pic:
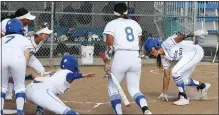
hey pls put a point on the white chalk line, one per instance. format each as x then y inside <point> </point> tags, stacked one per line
<point>97,104</point>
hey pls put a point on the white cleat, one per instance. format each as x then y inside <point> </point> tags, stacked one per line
<point>205,90</point>
<point>181,101</point>
<point>8,96</point>
<point>147,112</point>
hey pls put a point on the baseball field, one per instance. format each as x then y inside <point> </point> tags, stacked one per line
<point>90,96</point>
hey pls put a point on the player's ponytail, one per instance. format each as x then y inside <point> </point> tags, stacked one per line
<point>159,63</point>
<point>12,16</point>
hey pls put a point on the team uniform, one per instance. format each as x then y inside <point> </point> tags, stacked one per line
<point>126,61</point>
<point>10,84</point>
<point>34,63</point>
<point>13,60</point>
<point>49,87</point>
<point>188,56</point>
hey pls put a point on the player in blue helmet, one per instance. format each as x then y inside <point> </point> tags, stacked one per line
<point>188,56</point>
<point>42,90</point>
<point>14,26</point>
<point>69,62</point>
<point>14,58</point>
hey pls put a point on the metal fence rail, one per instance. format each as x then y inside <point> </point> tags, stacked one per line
<point>78,24</point>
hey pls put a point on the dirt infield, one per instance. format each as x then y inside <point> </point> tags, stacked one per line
<point>89,96</point>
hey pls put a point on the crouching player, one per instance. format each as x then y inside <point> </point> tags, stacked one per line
<point>42,91</point>
<point>188,56</point>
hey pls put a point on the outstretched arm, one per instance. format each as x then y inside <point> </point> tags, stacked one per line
<point>72,76</point>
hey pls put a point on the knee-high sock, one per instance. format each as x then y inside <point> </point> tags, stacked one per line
<point>20,100</point>
<point>2,102</point>
<point>191,82</point>
<point>141,101</point>
<point>116,103</point>
<point>70,112</point>
<point>180,85</point>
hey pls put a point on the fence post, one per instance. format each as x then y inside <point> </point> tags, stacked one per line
<point>194,17</point>
<point>52,35</point>
<point>164,20</point>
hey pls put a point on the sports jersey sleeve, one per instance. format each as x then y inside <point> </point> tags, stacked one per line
<point>109,29</point>
<point>73,76</point>
<point>165,62</point>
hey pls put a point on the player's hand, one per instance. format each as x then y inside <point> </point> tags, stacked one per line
<point>88,75</point>
<point>107,67</point>
<point>163,97</point>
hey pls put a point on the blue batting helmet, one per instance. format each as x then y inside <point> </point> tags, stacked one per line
<point>14,25</point>
<point>69,62</point>
<point>152,42</point>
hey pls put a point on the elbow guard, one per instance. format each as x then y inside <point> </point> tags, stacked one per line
<point>73,76</point>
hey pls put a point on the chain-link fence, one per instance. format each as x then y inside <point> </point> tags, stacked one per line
<point>78,24</point>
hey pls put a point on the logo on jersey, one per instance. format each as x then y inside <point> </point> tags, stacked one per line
<point>176,53</point>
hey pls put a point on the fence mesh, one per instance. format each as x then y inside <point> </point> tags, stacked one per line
<point>78,24</point>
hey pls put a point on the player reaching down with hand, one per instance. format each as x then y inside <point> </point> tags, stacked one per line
<point>188,56</point>
<point>42,91</point>
<point>123,36</point>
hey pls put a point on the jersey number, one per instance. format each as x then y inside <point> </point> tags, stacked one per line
<point>129,34</point>
<point>10,38</point>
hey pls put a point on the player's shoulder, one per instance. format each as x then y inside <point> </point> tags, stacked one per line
<point>64,71</point>
<point>112,22</point>
<point>5,21</point>
<point>19,36</point>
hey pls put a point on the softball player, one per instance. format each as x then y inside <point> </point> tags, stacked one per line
<point>123,37</point>
<point>25,17</point>
<point>43,90</point>
<point>188,56</point>
<point>15,54</point>
<point>42,33</point>
<point>21,14</point>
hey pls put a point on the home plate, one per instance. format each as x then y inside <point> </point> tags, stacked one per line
<point>9,111</point>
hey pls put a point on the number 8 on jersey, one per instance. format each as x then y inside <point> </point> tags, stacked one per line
<point>129,34</point>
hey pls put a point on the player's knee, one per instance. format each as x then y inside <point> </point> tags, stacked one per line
<point>111,88</point>
<point>133,92</point>
<point>3,95</point>
<point>175,72</point>
<point>20,94</point>
<point>138,96</point>
<point>19,90</point>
